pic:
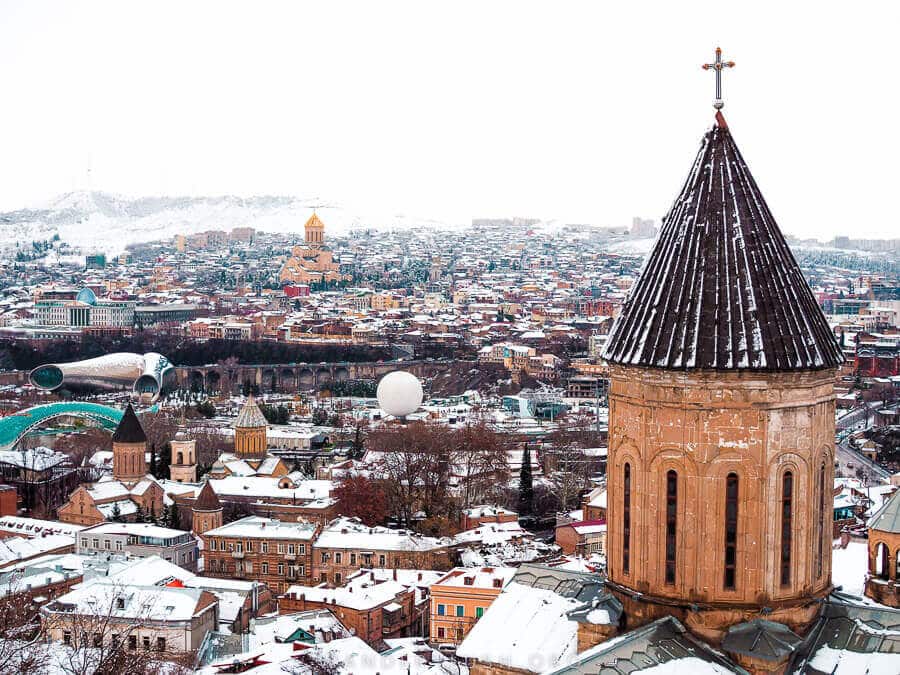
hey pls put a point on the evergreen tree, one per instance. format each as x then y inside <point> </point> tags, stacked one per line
<point>116,513</point>
<point>526,485</point>
<point>154,470</point>
<point>171,516</point>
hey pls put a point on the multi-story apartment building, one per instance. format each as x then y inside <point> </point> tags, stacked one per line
<point>277,553</point>
<point>461,597</point>
<point>346,546</point>
<point>140,539</point>
<point>143,618</point>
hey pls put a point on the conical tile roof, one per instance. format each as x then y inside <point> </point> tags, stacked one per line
<point>207,500</point>
<point>721,288</point>
<point>250,416</point>
<point>129,429</point>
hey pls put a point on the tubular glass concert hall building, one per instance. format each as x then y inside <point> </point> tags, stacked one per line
<point>147,375</point>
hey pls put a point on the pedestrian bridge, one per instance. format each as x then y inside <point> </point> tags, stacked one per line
<point>15,427</point>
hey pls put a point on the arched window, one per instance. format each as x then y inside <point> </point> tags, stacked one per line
<point>787,498</point>
<point>882,556</point>
<point>626,519</point>
<point>820,522</point>
<point>180,458</point>
<point>731,525</point>
<point>671,524</point>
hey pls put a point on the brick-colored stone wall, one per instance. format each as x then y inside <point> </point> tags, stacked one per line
<point>705,425</point>
<point>264,559</point>
<point>883,582</point>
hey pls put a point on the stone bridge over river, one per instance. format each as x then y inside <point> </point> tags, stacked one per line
<point>292,377</point>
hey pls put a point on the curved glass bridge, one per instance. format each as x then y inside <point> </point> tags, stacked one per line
<point>16,426</point>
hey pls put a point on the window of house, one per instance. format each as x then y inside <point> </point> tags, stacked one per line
<point>118,545</point>
<point>249,547</point>
<point>338,557</point>
<point>352,558</point>
<point>160,644</point>
<point>280,548</point>
<point>671,524</point>
<point>248,567</point>
<point>120,603</point>
<point>290,549</point>
<point>479,612</point>
<point>787,503</point>
<point>264,547</point>
<point>264,567</point>
<point>98,640</point>
<point>212,544</point>
<point>301,549</point>
<point>132,642</point>
<point>626,520</point>
<point>381,562</point>
<point>107,544</point>
<point>96,543</point>
<point>281,569</point>
<point>240,547</point>
<point>84,542</point>
<point>301,570</point>
<point>115,641</point>
<point>460,610</point>
<point>146,642</point>
<point>440,631</point>
<point>324,557</point>
<point>459,634</point>
<point>231,546</point>
<point>67,637</point>
<point>441,609</point>
<point>731,525</point>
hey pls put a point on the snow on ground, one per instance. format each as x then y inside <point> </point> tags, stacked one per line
<point>849,566</point>
<point>633,246</point>
<point>100,221</point>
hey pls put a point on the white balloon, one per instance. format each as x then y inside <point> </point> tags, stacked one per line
<point>399,393</point>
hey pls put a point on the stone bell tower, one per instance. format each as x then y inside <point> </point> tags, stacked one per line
<point>184,458</point>
<point>721,447</point>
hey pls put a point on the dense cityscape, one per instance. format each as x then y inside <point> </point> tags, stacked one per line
<point>265,433</point>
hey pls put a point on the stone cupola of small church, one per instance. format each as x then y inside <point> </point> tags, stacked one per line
<point>250,429</point>
<point>129,445</point>
<point>721,399</point>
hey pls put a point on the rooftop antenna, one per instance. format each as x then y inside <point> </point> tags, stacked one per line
<point>718,66</point>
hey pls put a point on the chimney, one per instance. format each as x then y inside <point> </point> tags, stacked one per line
<point>419,576</point>
<point>395,574</point>
<point>350,589</point>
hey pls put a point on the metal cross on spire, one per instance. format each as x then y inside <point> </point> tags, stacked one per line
<point>718,65</point>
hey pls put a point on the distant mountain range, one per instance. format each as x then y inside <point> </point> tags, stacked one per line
<point>104,222</point>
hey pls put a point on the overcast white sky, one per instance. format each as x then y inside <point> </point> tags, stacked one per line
<point>584,112</point>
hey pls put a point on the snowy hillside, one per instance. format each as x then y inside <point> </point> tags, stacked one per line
<point>99,221</point>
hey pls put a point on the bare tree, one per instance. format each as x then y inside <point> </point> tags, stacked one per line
<point>482,458</point>
<point>104,640</point>
<point>21,649</point>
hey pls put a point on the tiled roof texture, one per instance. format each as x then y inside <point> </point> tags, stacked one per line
<point>129,429</point>
<point>721,288</point>
<point>250,416</point>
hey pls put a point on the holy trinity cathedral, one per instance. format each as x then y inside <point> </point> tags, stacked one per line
<point>313,260</point>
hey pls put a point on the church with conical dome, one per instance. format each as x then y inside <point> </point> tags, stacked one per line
<point>722,371</point>
<point>720,475</point>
